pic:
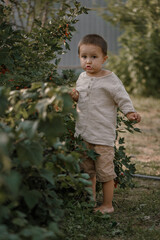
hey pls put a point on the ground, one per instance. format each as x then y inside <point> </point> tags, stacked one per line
<point>137,212</point>
<point>136,216</point>
<point>145,147</point>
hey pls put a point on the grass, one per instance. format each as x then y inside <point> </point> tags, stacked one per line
<point>136,216</point>
<point>137,210</point>
<point>145,146</point>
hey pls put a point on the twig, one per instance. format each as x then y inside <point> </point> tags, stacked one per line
<point>20,140</point>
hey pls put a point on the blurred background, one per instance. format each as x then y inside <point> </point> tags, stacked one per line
<point>90,23</point>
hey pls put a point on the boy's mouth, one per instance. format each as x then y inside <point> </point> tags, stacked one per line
<point>88,67</point>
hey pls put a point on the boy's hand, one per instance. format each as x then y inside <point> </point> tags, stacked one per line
<point>74,94</point>
<point>133,116</point>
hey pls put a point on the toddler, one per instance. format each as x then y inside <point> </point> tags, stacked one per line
<point>99,92</point>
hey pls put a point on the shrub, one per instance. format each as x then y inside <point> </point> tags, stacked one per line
<point>138,61</point>
<point>36,165</point>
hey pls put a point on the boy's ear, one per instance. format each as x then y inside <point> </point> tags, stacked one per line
<point>105,58</point>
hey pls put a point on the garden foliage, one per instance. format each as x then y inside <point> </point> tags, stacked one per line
<point>138,61</point>
<point>39,156</point>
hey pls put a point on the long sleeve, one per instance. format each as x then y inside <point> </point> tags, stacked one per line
<point>122,98</point>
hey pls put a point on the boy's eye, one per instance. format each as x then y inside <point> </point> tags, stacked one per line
<point>94,56</point>
<point>84,57</point>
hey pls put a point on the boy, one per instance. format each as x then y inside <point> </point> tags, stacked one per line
<point>99,92</point>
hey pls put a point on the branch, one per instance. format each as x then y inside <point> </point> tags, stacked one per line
<point>7,2</point>
<point>45,13</point>
<point>28,14</point>
<point>19,14</point>
<point>34,16</point>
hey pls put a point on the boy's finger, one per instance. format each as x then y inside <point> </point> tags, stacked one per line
<point>139,118</point>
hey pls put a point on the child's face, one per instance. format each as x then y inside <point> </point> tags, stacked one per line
<point>91,59</point>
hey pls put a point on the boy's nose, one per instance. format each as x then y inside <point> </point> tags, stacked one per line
<point>88,60</point>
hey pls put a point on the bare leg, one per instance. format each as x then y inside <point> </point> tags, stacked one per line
<point>106,207</point>
<point>93,180</point>
<point>108,188</point>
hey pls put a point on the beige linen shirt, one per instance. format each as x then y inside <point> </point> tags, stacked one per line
<point>97,105</point>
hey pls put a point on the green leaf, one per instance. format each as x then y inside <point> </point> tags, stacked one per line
<point>137,130</point>
<point>30,152</point>
<point>30,127</point>
<point>67,46</point>
<point>85,175</point>
<point>3,100</point>
<point>54,227</point>
<point>13,181</point>
<point>21,222</point>
<point>31,197</point>
<point>57,61</point>
<point>48,175</point>
<point>52,128</point>
<point>4,211</point>
<point>41,107</point>
<point>84,181</point>
<point>67,103</point>
<point>121,140</point>
<point>92,154</point>
<point>4,53</point>
<point>4,141</point>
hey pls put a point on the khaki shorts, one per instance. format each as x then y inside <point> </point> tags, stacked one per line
<point>103,166</point>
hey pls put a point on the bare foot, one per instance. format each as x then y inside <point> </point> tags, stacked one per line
<point>104,209</point>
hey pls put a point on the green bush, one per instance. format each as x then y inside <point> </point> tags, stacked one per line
<point>138,61</point>
<point>36,165</point>
<point>33,56</point>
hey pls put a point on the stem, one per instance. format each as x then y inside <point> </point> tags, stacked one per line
<point>20,140</point>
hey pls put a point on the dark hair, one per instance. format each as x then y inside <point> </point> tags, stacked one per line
<point>94,39</point>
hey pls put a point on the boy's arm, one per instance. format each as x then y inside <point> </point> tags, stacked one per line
<point>124,102</point>
<point>133,116</point>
